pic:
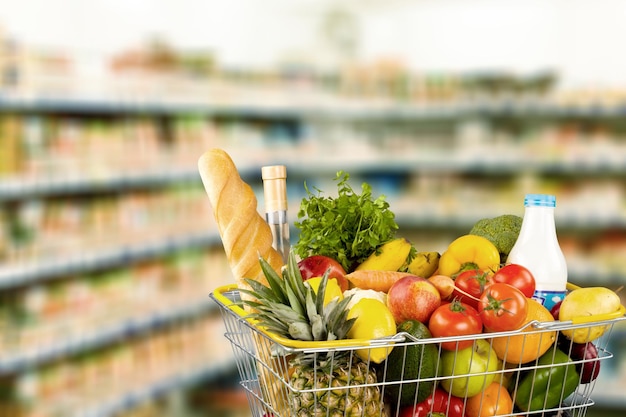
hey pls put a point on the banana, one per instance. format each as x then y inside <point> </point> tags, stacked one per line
<point>424,264</point>
<point>390,256</point>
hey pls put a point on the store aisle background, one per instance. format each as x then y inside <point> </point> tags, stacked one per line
<point>454,109</point>
<point>578,40</point>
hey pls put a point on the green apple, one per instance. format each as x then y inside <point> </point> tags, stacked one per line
<point>469,367</point>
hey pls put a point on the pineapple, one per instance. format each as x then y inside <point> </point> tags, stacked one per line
<point>323,383</point>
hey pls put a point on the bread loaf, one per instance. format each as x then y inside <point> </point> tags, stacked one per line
<point>244,233</point>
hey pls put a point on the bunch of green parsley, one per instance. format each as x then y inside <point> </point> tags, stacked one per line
<point>347,228</point>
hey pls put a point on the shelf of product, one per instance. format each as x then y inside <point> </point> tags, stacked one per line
<point>47,237</point>
<point>104,307</point>
<point>85,149</point>
<point>144,394</point>
<point>36,271</point>
<point>30,356</point>
<point>69,150</point>
<point>238,98</point>
<point>18,189</point>
<point>103,382</point>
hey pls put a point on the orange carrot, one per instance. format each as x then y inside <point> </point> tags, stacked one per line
<point>374,279</point>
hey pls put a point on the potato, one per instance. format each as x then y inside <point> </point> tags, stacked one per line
<point>584,303</point>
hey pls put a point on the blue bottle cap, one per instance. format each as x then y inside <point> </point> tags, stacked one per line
<point>539,200</point>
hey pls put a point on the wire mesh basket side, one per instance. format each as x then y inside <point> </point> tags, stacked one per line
<point>262,370</point>
<point>557,380</point>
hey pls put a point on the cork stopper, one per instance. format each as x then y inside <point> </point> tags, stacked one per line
<point>274,187</point>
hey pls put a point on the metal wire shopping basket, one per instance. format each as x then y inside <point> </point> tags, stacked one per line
<point>339,379</point>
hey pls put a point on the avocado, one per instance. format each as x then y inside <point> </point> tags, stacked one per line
<point>410,361</point>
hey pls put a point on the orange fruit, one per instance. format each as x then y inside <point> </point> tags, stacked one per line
<point>531,343</point>
<point>495,400</point>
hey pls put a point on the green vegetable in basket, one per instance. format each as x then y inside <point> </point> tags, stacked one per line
<point>502,231</point>
<point>545,388</point>
<point>411,362</point>
<point>347,228</point>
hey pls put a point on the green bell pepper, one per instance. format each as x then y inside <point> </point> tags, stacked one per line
<point>545,388</point>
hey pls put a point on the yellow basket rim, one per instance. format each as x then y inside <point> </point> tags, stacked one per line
<point>219,295</point>
<point>286,342</point>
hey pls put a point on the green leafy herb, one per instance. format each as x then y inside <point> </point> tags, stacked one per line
<point>347,228</point>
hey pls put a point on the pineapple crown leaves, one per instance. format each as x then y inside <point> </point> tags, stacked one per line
<point>290,307</point>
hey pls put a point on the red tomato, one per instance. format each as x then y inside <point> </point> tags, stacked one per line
<point>455,319</point>
<point>472,282</point>
<point>518,276</point>
<point>502,307</point>
<point>440,402</point>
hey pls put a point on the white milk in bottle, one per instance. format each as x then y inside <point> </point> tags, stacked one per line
<point>537,248</point>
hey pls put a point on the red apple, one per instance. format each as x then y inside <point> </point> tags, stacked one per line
<point>317,265</point>
<point>413,298</point>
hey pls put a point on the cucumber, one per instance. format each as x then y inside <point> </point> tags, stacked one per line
<point>410,362</point>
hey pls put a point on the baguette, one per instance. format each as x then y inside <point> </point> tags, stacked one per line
<point>245,235</point>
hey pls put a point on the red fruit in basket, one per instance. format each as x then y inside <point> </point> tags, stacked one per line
<point>587,352</point>
<point>590,370</point>
<point>469,285</point>
<point>413,298</point>
<point>555,310</point>
<point>518,276</point>
<point>502,307</point>
<point>318,265</point>
<point>455,319</point>
<point>439,403</point>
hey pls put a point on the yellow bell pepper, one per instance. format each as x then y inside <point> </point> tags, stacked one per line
<point>469,252</point>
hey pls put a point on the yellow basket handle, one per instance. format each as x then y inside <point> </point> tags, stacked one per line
<point>227,302</point>
<point>219,292</point>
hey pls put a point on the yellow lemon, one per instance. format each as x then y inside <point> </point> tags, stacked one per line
<point>332,288</point>
<point>373,320</point>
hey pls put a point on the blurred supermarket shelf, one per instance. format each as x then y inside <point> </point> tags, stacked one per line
<point>27,357</point>
<point>37,270</point>
<point>133,398</point>
<point>283,103</point>
<point>18,188</point>
<point>583,267</point>
<point>423,217</point>
<point>442,220</point>
<point>185,350</point>
<point>153,107</point>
